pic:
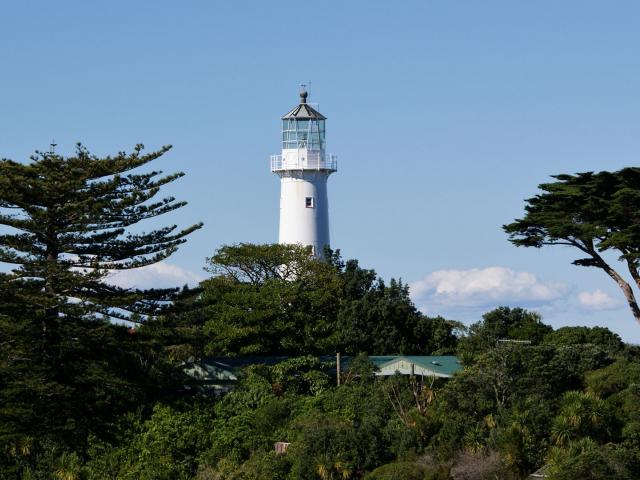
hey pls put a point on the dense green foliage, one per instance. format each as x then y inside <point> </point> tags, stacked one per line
<point>65,370</point>
<point>277,300</point>
<point>84,399</point>
<point>518,407</point>
<point>502,325</point>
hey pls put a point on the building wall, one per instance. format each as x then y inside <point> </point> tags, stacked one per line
<point>299,222</point>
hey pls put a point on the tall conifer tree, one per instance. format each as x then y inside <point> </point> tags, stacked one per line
<point>70,223</point>
<point>66,223</point>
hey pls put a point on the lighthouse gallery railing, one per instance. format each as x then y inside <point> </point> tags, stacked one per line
<point>310,161</point>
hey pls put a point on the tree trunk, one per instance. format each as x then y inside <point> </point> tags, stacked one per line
<point>622,283</point>
<point>51,313</point>
<point>626,289</point>
<point>634,273</point>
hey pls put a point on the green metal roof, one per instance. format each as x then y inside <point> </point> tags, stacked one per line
<point>445,365</point>
<point>225,369</point>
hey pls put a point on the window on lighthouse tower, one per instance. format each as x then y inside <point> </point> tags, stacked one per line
<point>308,202</point>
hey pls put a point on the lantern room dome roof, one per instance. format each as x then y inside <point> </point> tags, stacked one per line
<point>303,111</point>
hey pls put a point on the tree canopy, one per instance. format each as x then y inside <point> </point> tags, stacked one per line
<point>67,222</point>
<point>268,299</point>
<point>502,324</point>
<point>70,222</point>
<point>592,212</point>
<point>279,300</point>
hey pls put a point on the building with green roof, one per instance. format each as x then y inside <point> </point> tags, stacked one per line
<point>218,374</point>
<point>441,366</point>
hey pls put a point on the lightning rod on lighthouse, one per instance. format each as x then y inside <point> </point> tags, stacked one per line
<point>304,168</point>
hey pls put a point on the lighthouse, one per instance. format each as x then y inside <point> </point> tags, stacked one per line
<point>304,168</point>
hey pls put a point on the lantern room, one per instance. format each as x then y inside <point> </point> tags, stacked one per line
<point>303,127</point>
<point>303,140</point>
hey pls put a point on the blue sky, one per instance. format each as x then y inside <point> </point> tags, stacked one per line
<point>445,116</point>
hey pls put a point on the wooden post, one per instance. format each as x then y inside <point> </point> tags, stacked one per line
<point>338,368</point>
<point>281,447</point>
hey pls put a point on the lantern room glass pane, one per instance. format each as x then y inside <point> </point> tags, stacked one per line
<point>303,133</point>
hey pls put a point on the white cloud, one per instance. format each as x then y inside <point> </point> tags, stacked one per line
<point>480,287</point>
<point>598,300</point>
<point>158,275</point>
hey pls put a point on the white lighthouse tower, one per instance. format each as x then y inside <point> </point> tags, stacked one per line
<point>304,168</point>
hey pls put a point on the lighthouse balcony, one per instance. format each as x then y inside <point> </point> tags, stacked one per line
<point>308,161</point>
